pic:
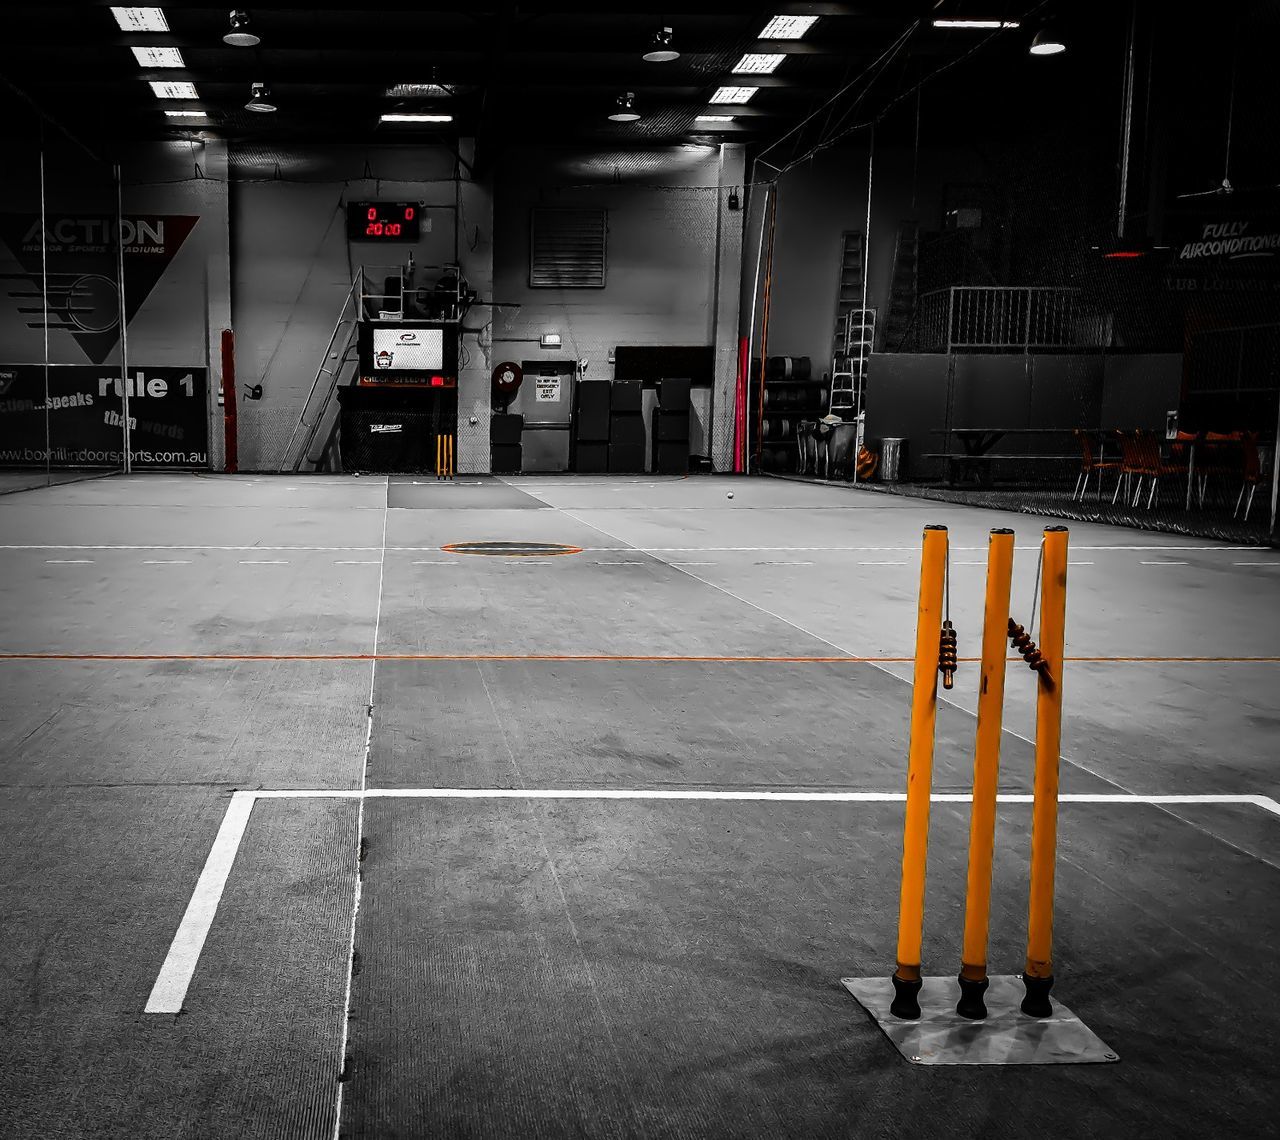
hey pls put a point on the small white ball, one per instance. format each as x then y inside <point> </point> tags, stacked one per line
<point>729,495</point>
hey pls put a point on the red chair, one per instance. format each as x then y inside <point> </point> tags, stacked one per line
<point>1252,472</point>
<point>1152,465</point>
<point>1090,464</point>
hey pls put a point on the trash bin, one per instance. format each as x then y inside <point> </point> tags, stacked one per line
<point>893,459</point>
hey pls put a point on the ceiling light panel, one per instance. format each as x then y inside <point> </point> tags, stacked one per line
<point>141,19</point>
<point>757,63</point>
<point>167,90</point>
<point>397,117</point>
<point>713,118</point>
<point>158,56</point>
<point>178,114</point>
<point>788,27</point>
<point>975,23</point>
<point>733,94</point>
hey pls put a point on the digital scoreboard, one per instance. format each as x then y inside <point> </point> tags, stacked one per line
<point>384,221</point>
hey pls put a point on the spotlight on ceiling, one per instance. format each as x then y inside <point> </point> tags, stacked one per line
<point>240,34</point>
<point>626,112</point>
<point>1047,42</point>
<point>660,49</point>
<point>260,99</point>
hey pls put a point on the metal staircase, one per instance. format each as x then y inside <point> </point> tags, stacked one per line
<point>317,417</point>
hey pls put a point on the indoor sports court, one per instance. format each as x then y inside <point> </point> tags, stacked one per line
<point>606,827</point>
<point>639,573</point>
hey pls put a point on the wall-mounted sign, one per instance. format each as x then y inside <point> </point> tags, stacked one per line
<point>79,253</point>
<point>168,417</point>
<point>547,389</point>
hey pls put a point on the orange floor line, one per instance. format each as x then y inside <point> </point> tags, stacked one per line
<point>601,657</point>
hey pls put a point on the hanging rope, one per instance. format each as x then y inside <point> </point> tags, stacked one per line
<point>947,646</point>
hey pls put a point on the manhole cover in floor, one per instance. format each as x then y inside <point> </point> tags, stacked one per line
<point>512,549</point>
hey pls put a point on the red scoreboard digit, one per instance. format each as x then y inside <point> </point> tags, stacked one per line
<point>383,221</point>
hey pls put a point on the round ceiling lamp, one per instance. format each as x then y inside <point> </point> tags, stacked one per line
<point>660,49</point>
<point>1047,42</point>
<point>240,34</point>
<point>260,99</point>
<point>626,112</point>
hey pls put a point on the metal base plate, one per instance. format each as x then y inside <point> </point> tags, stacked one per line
<point>1006,1037</point>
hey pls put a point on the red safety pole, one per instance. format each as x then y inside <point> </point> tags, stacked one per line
<point>740,406</point>
<point>229,401</point>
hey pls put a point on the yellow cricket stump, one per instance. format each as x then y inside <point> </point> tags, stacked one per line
<point>1038,975</point>
<point>444,457</point>
<point>986,777</point>
<point>924,712</point>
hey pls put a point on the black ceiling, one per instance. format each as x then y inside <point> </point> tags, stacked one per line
<point>549,71</point>
<point>536,71</point>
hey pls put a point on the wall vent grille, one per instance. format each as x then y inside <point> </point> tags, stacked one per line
<point>567,249</point>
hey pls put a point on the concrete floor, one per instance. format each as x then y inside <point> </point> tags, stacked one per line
<point>597,966</point>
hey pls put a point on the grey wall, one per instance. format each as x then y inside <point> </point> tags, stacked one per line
<point>670,235</point>
<point>291,266</point>
<point>816,202</point>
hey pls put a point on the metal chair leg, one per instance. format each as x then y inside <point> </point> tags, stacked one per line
<point>1155,483</point>
<point>1239,499</point>
<point>1081,479</point>
<point>1249,504</point>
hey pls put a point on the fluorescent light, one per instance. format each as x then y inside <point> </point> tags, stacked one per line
<point>733,94</point>
<point>402,117</point>
<point>141,19</point>
<point>158,57</point>
<point>975,23</point>
<point>187,114</point>
<point>417,91</point>
<point>788,27</point>
<point>757,63</point>
<point>713,118</point>
<point>170,90</point>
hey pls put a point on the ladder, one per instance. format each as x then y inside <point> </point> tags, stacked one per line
<point>848,285</point>
<point>855,339</point>
<point>903,285</point>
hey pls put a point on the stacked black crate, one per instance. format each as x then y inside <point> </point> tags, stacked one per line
<point>591,426</point>
<point>792,396</point>
<point>504,444</point>
<point>671,428</point>
<point>626,427</point>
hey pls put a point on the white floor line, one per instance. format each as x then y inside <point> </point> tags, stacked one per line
<point>1162,563</point>
<point>358,890</point>
<point>264,562</point>
<point>356,562</point>
<point>170,990</point>
<point>166,562</point>
<point>1265,802</point>
<point>68,561</point>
